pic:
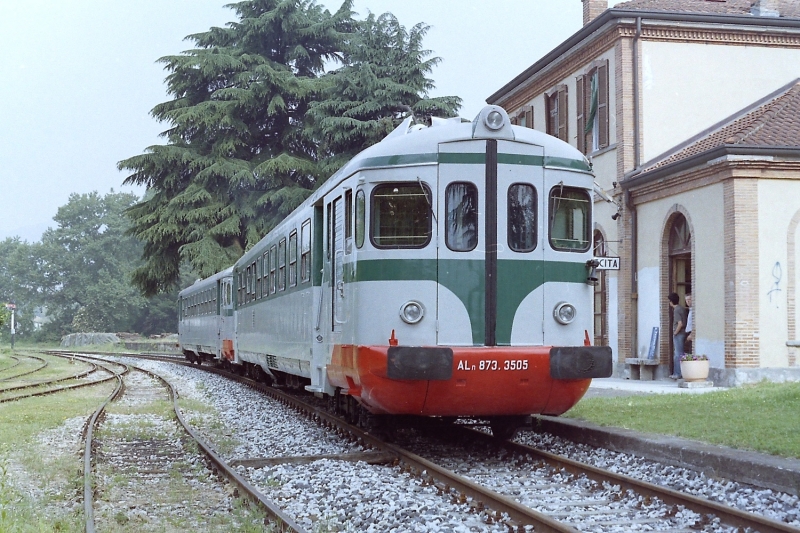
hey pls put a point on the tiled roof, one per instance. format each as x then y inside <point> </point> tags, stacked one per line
<point>773,124</point>
<point>785,8</point>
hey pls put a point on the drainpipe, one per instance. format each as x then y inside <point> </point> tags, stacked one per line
<point>629,201</point>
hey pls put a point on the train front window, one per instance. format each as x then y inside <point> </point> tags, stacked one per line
<point>522,217</point>
<point>461,207</point>
<point>401,216</point>
<point>570,218</point>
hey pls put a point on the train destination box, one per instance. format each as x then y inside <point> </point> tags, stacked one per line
<point>608,263</point>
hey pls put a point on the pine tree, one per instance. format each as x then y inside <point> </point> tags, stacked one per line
<point>243,148</point>
<point>385,77</point>
<point>237,158</point>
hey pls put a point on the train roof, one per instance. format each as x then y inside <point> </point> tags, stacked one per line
<point>202,284</point>
<point>411,145</point>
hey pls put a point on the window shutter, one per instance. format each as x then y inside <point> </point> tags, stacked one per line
<point>563,132</point>
<point>602,105</point>
<point>581,112</point>
<point>529,116</point>
<point>552,114</point>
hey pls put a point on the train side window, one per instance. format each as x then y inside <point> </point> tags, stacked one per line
<point>282,265</point>
<point>273,260</point>
<point>361,222</point>
<point>252,281</point>
<point>522,217</point>
<point>305,251</point>
<point>293,258</point>
<point>461,208</point>
<point>259,273</point>
<point>570,219</point>
<point>249,282</point>
<point>348,214</point>
<point>265,274</point>
<point>401,215</point>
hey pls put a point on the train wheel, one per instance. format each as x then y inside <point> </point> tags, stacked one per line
<point>506,427</point>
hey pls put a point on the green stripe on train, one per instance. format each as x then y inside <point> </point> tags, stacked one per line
<point>465,278</point>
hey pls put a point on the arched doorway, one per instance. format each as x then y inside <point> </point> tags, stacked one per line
<point>600,295</point>
<point>680,267</point>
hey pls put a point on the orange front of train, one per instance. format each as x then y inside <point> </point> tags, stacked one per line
<point>477,381</point>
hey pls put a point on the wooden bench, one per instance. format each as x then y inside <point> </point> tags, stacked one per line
<point>642,369</point>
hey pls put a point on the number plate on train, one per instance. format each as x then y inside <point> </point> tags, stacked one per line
<point>493,364</point>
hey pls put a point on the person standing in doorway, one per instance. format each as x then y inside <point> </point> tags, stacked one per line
<point>678,332</point>
<point>689,344</point>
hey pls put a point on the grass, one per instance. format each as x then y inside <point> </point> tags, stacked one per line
<point>764,417</point>
<point>38,486</point>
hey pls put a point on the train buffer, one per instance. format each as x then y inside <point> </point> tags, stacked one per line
<point>641,368</point>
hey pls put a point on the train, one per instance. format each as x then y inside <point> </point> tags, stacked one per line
<point>445,272</point>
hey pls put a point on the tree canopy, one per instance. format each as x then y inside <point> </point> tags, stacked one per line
<point>78,275</point>
<point>256,123</point>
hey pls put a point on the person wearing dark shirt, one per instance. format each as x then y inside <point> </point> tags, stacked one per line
<point>678,332</point>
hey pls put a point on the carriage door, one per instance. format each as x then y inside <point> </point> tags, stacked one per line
<point>489,260</point>
<point>336,235</point>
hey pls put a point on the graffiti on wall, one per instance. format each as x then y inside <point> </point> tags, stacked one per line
<point>774,292</point>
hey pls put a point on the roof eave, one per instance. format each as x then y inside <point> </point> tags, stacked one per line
<point>612,15</point>
<point>638,177</point>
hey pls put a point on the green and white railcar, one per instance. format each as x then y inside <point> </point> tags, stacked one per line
<point>441,272</point>
<point>205,318</point>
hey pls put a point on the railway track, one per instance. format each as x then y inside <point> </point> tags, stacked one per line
<point>41,364</point>
<point>537,490</point>
<point>129,462</point>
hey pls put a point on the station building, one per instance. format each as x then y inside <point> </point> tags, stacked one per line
<point>689,111</point>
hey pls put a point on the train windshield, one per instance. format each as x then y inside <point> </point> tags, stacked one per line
<point>569,219</point>
<point>401,216</point>
<point>461,205</point>
<point>522,217</point>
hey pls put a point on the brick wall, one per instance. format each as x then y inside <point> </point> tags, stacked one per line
<point>592,9</point>
<point>741,273</point>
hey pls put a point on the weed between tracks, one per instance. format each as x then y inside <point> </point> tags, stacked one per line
<point>41,463</point>
<point>762,417</point>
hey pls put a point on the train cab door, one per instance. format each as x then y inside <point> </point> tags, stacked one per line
<point>489,257</point>
<point>335,217</point>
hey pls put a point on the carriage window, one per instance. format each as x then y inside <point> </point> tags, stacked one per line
<point>461,207</point>
<point>401,216</point>
<point>305,251</point>
<point>569,219</point>
<point>282,265</point>
<point>293,259</point>
<point>361,211</point>
<point>348,214</point>
<point>265,274</point>
<point>259,274</point>
<point>273,260</point>
<point>521,217</point>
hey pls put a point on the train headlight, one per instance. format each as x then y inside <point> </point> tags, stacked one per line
<point>564,313</point>
<point>494,120</point>
<point>412,312</point>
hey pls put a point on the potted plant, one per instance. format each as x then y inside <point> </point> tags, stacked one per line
<point>694,367</point>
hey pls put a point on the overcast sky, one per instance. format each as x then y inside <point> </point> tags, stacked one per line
<point>78,79</point>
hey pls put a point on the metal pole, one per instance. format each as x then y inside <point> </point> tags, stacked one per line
<point>13,329</point>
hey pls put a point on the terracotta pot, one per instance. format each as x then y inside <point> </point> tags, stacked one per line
<point>694,370</point>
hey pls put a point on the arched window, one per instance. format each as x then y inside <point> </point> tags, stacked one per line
<point>680,254</point>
